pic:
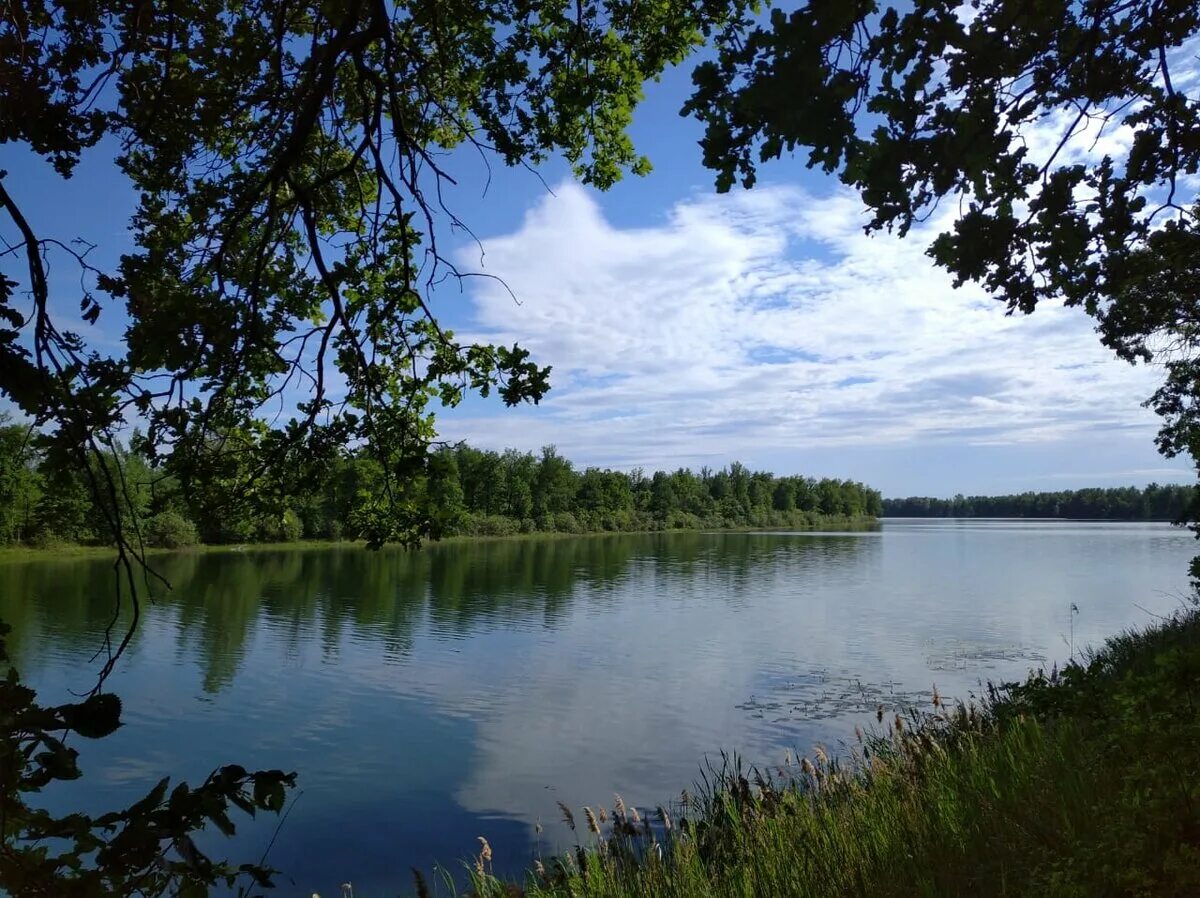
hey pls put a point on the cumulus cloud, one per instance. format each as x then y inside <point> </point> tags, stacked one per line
<point>768,318</point>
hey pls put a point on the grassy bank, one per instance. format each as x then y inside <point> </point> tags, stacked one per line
<point>805,522</point>
<point>72,551</point>
<point>1080,782</point>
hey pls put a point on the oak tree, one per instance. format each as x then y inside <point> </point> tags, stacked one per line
<point>1063,134</point>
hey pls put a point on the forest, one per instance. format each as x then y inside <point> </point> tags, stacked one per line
<point>1128,503</point>
<point>466,491</point>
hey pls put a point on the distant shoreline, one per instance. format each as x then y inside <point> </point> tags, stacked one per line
<point>1017,517</point>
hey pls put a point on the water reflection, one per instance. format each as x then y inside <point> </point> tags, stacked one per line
<point>430,697</point>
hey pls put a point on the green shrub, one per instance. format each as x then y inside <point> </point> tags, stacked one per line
<point>489,525</point>
<point>46,539</point>
<point>565,522</point>
<point>170,530</point>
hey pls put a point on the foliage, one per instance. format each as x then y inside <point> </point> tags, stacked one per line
<point>288,163</point>
<point>1154,503</point>
<point>1066,135</point>
<point>20,483</point>
<point>170,530</point>
<point>1077,782</point>
<point>144,849</point>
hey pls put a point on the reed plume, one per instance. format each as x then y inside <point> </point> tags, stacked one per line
<point>568,817</point>
<point>591,820</point>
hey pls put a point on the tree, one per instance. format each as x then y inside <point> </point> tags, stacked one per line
<point>445,493</point>
<point>20,483</point>
<point>289,164</point>
<point>1067,134</point>
<point>554,489</point>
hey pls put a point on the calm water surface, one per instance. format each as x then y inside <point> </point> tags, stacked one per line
<point>427,698</point>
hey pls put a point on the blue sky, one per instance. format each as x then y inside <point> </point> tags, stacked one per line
<point>690,329</point>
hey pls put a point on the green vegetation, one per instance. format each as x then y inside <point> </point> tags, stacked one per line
<point>1154,503</point>
<point>468,492</point>
<point>1079,782</point>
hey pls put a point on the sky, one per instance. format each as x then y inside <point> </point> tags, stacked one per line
<point>687,328</point>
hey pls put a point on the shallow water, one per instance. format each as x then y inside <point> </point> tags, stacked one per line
<point>431,697</point>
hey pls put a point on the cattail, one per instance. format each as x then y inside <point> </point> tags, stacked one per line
<point>568,817</point>
<point>422,888</point>
<point>664,818</point>
<point>603,815</point>
<point>591,820</point>
<point>822,755</point>
<point>937,698</point>
<point>619,807</point>
<point>879,714</point>
<point>634,815</point>
<point>806,767</point>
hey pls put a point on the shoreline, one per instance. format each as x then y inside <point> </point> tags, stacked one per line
<point>76,552</point>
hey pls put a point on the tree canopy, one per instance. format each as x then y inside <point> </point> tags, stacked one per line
<point>289,161</point>
<point>1067,134</point>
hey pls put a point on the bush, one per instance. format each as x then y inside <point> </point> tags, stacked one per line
<point>285,529</point>
<point>45,539</point>
<point>565,522</point>
<point>170,530</point>
<point>291,528</point>
<point>489,525</point>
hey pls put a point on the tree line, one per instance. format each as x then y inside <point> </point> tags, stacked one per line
<point>467,491</point>
<point>1154,503</point>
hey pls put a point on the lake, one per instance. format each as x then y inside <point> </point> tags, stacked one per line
<point>427,698</point>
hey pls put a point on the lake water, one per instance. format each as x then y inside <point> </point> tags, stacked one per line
<point>431,697</point>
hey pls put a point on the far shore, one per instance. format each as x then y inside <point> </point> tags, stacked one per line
<point>76,552</point>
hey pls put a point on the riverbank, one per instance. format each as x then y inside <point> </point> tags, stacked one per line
<point>1084,781</point>
<point>71,551</point>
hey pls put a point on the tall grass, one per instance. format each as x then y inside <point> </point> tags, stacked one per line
<point>1080,782</point>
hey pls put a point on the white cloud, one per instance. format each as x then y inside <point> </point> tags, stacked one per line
<point>768,318</point>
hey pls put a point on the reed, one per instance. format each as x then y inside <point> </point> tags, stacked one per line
<point>1080,781</point>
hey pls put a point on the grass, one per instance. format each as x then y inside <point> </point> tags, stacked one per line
<point>1080,782</point>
